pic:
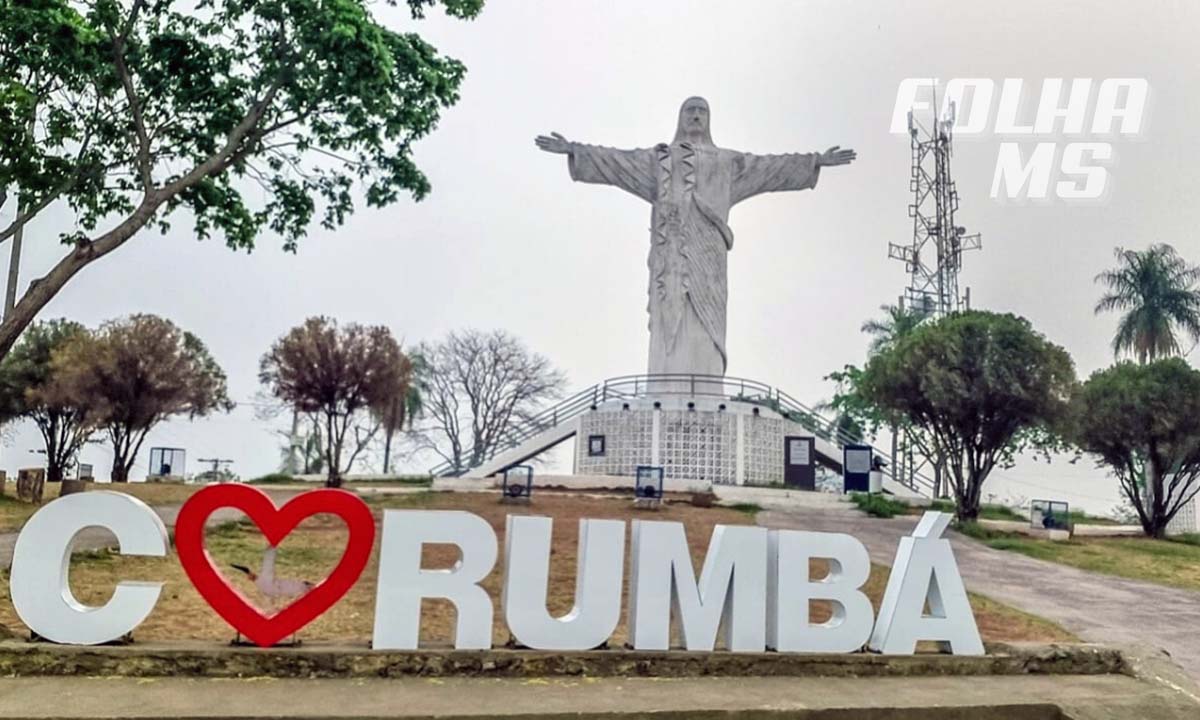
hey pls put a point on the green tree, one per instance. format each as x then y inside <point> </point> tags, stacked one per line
<point>848,402</point>
<point>252,116</point>
<point>981,386</point>
<point>1157,291</point>
<point>1143,423</point>
<point>30,388</point>
<point>137,372</point>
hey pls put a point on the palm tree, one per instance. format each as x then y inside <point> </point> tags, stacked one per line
<point>897,322</point>
<point>1156,290</point>
<point>400,411</point>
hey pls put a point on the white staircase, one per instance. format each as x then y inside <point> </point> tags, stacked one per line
<point>533,446</point>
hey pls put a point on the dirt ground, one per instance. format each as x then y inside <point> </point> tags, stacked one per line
<point>315,546</point>
<point>14,513</point>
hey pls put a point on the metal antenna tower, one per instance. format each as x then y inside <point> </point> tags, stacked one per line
<point>934,256</point>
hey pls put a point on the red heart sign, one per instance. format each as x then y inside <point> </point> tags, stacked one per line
<point>275,524</point>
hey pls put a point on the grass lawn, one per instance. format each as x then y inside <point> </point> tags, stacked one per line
<point>884,506</point>
<point>14,513</point>
<point>312,549</point>
<point>396,481</point>
<point>986,512</point>
<point>1079,517</point>
<point>1167,562</point>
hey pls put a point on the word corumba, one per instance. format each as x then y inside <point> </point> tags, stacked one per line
<point>754,591</point>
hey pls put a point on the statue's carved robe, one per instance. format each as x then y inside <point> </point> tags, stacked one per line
<point>691,188</point>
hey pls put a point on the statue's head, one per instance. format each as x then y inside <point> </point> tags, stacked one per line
<point>693,122</point>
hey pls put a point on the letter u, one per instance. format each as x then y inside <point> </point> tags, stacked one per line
<point>598,580</point>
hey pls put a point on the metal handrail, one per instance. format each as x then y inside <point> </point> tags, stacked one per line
<point>625,387</point>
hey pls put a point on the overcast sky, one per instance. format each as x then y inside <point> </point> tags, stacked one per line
<point>506,240</point>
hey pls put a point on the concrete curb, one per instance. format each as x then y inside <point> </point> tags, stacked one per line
<point>206,660</point>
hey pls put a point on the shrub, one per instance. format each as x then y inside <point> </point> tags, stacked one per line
<point>879,506</point>
<point>273,479</point>
<point>750,509</point>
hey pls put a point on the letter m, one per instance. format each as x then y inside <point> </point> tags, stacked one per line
<point>731,591</point>
<point>1014,175</point>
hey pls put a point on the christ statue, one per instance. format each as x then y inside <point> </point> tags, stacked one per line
<point>691,184</point>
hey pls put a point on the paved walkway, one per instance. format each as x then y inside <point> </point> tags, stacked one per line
<point>1097,608</point>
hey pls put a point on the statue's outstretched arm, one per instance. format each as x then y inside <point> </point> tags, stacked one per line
<point>553,143</point>
<point>836,156</point>
<point>757,174</point>
<point>631,170</point>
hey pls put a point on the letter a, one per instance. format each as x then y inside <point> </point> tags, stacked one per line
<point>925,570</point>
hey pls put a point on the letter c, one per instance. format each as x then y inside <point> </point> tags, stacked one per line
<point>41,593</point>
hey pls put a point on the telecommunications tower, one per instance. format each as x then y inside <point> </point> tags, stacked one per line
<point>933,257</point>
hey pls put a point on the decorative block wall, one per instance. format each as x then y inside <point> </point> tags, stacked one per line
<point>698,446</point>
<point>762,451</point>
<point>627,442</point>
<point>1186,520</point>
<point>692,444</point>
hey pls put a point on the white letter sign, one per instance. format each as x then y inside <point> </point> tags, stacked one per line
<point>403,584</point>
<point>755,589</point>
<point>598,577</point>
<point>792,591</point>
<point>731,591</point>
<point>41,591</point>
<point>925,569</point>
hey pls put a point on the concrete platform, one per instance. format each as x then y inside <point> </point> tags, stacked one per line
<point>318,660</point>
<point>207,681</point>
<point>1009,698</point>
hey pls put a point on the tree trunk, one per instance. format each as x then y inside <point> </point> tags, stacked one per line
<point>895,457</point>
<point>14,263</point>
<point>333,454</point>
<point>120,473</point>
<point>1154,496</point>
<point>965,512</point>
<point>54,472</point>
<point>293,457</point>
<point>387,451</point>
<point>43,290</point>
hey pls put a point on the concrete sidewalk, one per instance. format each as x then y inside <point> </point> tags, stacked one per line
<point>928,698</point>
<point>1096,608</point>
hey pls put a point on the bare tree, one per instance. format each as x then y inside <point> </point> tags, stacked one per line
<point>336,375</point>
<point>477,387</point>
